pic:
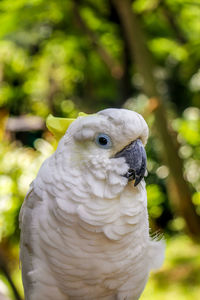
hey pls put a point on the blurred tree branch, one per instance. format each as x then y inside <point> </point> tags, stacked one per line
<point>5,272</point>
<point>115,68</point>
<point>141,57</point>
<point>172,21</point>
<point>25,123</point>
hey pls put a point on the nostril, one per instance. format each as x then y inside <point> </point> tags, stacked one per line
<point>130,174</point>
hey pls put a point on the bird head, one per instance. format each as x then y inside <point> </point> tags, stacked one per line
<point>108,147</point>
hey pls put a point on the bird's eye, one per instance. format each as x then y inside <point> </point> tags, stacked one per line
<point>103,140</point>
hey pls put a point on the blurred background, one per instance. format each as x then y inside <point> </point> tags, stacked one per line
<point>62,57</point>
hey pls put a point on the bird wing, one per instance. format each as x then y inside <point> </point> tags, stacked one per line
<point>26,238</point>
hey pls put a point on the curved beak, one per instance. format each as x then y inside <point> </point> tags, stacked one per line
<point>135,157</point>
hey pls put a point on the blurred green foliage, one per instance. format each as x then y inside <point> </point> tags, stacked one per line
<point>49,63</point>
<point>19,167</point>
<point>179,278</point>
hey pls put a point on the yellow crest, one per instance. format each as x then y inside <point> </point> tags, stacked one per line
<point>58,126</point>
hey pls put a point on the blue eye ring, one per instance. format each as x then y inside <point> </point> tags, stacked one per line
<point>103,141</point>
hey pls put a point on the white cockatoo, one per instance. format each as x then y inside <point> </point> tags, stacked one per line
<point>84,222</point>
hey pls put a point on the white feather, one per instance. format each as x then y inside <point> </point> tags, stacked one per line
<point>85,231</point>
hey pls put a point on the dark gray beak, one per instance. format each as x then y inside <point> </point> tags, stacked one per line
<point>135,157</point>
